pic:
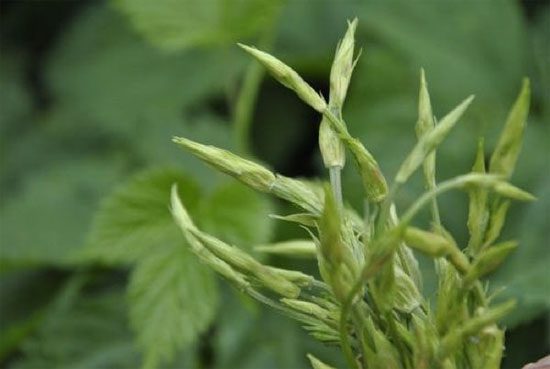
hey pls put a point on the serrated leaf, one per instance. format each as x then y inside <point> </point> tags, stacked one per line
<point>173,298</point>
<point>237,215</point>
<point>175,25</point>
<point>131,221</point>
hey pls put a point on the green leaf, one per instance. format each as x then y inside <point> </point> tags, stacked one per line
<point>173,298</point>
<point>134,94</point>
<point>237,215</point>
<point>133,220</point>
<point>46,220</point>
<point>174,25</point>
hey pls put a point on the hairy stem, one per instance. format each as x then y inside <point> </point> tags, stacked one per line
<point>336,184</point>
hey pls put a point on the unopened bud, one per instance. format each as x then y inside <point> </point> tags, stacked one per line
<point>184,222</point>
<point>478,214</point>
<point>331,146</point>
<point>425,122</point>
<point>288,77</point>
<point>342,66</point>
<point>503,160</point>
<point>246,171</point>
<point>374,183</point>
<point>496,221</point>
<point>505,189</point>
<point>428,142</point>
<point>489,260</point>
<point>427,242</point>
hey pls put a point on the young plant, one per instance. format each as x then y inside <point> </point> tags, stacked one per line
<point>369,299</point>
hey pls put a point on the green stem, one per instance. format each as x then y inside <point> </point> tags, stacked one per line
<point>336,184</point>
<point>344,337</point>
<point>445,186</point>
<point>242,118</point>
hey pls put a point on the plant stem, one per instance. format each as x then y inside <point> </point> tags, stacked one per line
<point>336,184</point>
<point>242,118</point>
<point>433,193</point>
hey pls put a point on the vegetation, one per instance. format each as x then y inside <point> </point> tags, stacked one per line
<point>369,301</point>
<point>95,273</point>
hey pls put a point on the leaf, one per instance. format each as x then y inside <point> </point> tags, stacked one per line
<point>237,215</point>
<point>173,298</point>
<point>175,25</point>
<point>133,220</point>
<point>45,221</point>
<point>134,94</point>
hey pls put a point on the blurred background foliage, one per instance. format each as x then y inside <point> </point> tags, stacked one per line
<point>92,272</point>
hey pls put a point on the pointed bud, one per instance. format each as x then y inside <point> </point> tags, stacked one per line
<point>184,222</point>
<point>246,171</point>
<point>342,67</point>
<point>427,242</point>
<point>425,122</point>
<point>436,245</point>
<point>489,259</point>
<point>374,183</point>
<point>496,221</point>
<point>430,141</point>
<point>503,160</point>
<point>331,146</point>
<point>288,78</point>
<point>298,192</point>
<point>332,246</point>
<point>505,189</point>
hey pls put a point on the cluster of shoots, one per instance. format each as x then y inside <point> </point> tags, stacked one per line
<point>368,296</point>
